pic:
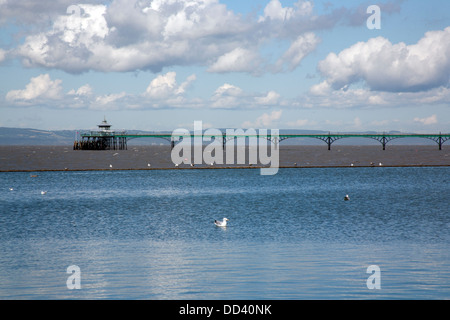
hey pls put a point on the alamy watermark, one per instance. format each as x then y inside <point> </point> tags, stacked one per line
<point>374,280</point>
<point>74,280</point>
<point>374,21</point>
<point>221,149</point>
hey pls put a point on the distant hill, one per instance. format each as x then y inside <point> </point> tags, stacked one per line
<point>20,136</point>
<point>27,136</point>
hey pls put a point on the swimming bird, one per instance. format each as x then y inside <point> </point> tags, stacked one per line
<point>346,198</point>
<point>11,189</point>
<point>43,192</point>
<point>222,223</point>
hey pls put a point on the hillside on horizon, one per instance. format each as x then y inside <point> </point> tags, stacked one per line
<point>29,136</point>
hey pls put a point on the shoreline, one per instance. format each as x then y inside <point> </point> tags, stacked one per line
<point>225,168</point>
<point>63,158</point>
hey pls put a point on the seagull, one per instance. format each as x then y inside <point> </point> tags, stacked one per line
<point>149,165</point>
<point>222,223</point>
<point>346,198</point>
<point>11,189</point>
<point>43,192</point>
<point>110,165</point>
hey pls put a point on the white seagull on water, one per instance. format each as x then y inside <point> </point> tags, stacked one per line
<point>222,223</point>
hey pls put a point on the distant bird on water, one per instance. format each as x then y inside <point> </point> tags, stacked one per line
<point>43,192</point>
<point>346,198</point>
<point>222,223</point>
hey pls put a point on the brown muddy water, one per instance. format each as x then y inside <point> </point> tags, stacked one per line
<point>42,158</point>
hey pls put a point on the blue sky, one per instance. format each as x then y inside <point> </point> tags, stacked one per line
<point>163,64</point>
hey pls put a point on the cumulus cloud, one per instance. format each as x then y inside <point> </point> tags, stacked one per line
<point>264,121</point>
<point>85,90</point>
<point>427,121</point>
<point>275,11</point>
<point>384,66</point>
<point>271,98</point>
<point>150,35</point>
<point>127,36</point>
<point>34,12</point>
<point>227,96</point>
<point>237,60</point>
<point>299,49</point>
<point>40,87</point>
<point>109,101</point>
<point>164,86</point>
<point>162,92</point>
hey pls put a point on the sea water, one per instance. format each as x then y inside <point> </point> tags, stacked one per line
<point>151,234</point>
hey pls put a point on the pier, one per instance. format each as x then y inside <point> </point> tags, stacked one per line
<point>106,139</point>
<point>102,139</point>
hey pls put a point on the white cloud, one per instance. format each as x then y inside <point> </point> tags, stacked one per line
<point>40,87</point>
<point>228,89</point>
<point>275,11</point>
<point>264,121</point>
<point>108,101</point>
<point>237,60</point>
<point>33,12</point>
<point>2,55</point>
<point>227,96</point>
<point>85,90</point>
<point>323,95</point>
<point>162,92</point>
<point>299,49</point>
<point>134,35</point>
<point>165,86</point>
<point>384,66</point>
<point>427,121</point>
<point>141,35</point>
<point>271,98</point>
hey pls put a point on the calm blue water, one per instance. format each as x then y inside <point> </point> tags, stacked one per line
<point>150,234</point>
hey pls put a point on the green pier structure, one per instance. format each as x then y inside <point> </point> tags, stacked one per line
<point>107,139</point>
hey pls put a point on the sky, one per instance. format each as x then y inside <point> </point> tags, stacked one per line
<point>159,65</point>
